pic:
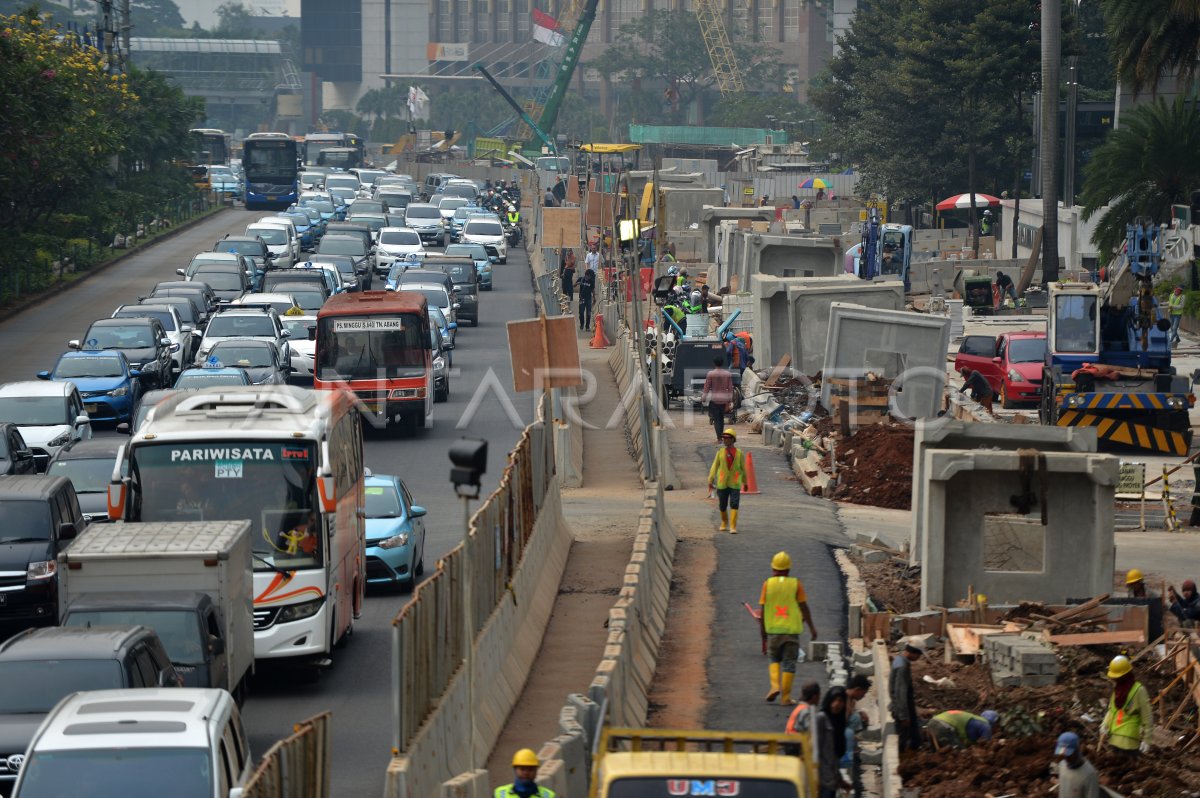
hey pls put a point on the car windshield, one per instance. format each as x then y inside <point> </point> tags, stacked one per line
<point>301,220</point>
<point>254,249</point>
<point>1027,350</point>
<point>168,322</point>
<point>342,245</point>
<point>26,519</point>
<point>374,222</point>
<point>119,772</point>
<point>475,251</point>
<point>309,300</point>
<point>88,475</point>
<point>483,228</point>
<point>272,235</point>
<point>369,176</point>
<point>182,305</point>
<point>382,501</point>
<point>399,237</point>
<point>247,326</point>
<point>177,629</point>
<point>112,337</point>
<point>89,366</point>
<point>322,206</point>
<point>422,212</point>
<point>460,273</point>
<point>35,686</point>
<point>34,411</point>
<point>242,356</point>
<point>451,203</point>
<point>205,378</point>
<point>341,181</point>
<point>435,295</point>
<point>220,281</point>
<point>298,328</point>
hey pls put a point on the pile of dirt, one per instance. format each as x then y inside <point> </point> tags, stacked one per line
<point>875,467</point>
<point>890,587</point>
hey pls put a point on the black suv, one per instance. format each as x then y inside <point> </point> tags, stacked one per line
<point>40,667</point>
<point>38,515</point>
<point>144,342</point>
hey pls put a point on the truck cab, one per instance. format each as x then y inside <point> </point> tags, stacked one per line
<point>649,763</point>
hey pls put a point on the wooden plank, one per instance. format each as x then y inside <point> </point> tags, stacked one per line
<point>1095,638</point>
<point>777,372</point>
<point>1080,609</point>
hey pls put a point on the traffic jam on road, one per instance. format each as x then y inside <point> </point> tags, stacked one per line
<point>224,411</point>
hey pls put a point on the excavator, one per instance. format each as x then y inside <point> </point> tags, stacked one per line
<point>885,251</point>
<point>1108,354</point>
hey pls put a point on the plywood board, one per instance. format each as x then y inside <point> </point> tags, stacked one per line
<point>1096,638</point>
<point>560,227</point>
<point>600,207</point>
<point>544,353</point>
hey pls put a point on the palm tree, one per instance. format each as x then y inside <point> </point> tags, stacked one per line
<point>1150,163</point>
<point>1153,38</point>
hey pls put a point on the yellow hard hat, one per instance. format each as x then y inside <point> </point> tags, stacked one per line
<point>1119,666</point>
<point>525,758</point>
<point>1133,575</point>
<point>730,433</point>
<point>781,562</point>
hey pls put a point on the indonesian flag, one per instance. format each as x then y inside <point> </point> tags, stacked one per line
<point>545,29</point>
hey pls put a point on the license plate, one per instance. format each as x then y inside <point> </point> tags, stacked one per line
<point>91,408</point>
<point>271,199</point>
<point>3,599</point>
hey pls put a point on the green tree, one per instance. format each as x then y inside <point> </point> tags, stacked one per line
<point>1150,39</point>
<point>153,17</point>
<point>235,21</point>
<point>1148,164</point>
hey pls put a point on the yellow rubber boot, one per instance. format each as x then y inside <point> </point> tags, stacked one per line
<point>774,668</point>
<point>785,696</point>
<point>724,521</point>
<point>733,522</point>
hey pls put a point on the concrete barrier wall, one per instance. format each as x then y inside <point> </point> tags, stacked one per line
<point>890,784</point>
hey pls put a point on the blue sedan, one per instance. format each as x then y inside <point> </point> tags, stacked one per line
<point>108,386</point>
<point>395,533</point>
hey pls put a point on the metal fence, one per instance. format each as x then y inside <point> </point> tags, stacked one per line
<point>297,766</point>
<point>429,633</point>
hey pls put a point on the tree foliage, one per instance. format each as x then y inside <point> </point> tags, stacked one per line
<point>927,97</point>
<point>1151,162</point>
<point>1150,39</point>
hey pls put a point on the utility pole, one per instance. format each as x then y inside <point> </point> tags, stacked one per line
<point>1048,133</point>
<point>1072,110</point>
<point>126,26</point>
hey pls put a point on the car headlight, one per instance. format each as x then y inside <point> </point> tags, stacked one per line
<point>38,571</point>
<point>394,542</point>
<point>60,440</point>
<point>122,391</point>
<point>1015,376</point>
<point>297,612</point>
<point>439,363</point>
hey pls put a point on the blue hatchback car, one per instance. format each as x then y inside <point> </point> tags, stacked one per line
<point>108,386</point>
<point>395,532</point>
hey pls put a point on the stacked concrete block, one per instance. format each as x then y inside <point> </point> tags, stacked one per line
<point>810,300</point>
<point>1017,661</point>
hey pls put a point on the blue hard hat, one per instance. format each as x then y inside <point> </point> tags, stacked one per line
<point>991,716</point>
<point>1067,745</point>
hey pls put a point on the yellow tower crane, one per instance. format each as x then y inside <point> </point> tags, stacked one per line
<point>716,40</point>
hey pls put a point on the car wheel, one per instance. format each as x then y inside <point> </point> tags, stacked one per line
<point>504,260</point>
<point>1005,402</point>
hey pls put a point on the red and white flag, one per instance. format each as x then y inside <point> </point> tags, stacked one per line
<point>545,29</point>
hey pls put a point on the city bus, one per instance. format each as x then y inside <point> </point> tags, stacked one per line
<point>314,143</point>
<point>376,344</point>
<point>210,147</point>
<point>288,459</point>
<point>271,165</point>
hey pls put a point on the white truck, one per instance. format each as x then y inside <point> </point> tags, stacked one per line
<point>190,582</point>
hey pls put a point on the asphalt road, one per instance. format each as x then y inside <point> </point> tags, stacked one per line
<point>358,686</point>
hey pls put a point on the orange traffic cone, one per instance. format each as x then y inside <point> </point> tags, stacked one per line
<point>751,485</point>
<point>599,340</point>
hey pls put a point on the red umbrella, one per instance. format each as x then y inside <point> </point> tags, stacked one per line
<point>964,201</point>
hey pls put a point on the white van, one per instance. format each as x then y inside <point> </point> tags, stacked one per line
<point>139,742</point>
<point>278,240</point>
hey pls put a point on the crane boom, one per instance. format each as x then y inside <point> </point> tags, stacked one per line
<point>720,51</point>
<point>566,69</point>
<point>516,107</point>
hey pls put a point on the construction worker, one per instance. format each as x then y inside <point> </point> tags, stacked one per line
<point>978,385</point>
<point>737,349</point>
<point>727,476</point>
<point>985,225</point>
<point>904,705</point>
<point>1129,721</point>
<point>784,613</point>
<point>693,303</point>
<point>1175,307</point>
<point>718,394</point>
<point>801,719</point>
<point>957,729</point>
<point>1185,607</point>
<point>525,767</point>
<point>1077,777</point>
<point>856,723</point>
<point>1005,287</point>
<point>1135,583</point>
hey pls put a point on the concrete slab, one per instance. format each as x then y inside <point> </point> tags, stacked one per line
<point>894,344</point>
<point>809,300</point>
<point>793,256</point>
<point>946,433</point>
<point>977,538</point>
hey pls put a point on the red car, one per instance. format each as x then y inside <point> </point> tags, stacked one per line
<point>1010,362</point>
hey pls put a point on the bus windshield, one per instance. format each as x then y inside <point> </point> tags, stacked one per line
<point>370,348</point>
<point>271,484</point>
<point>270,159</point>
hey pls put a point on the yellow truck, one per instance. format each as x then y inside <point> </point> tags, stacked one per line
<point>668,763</point>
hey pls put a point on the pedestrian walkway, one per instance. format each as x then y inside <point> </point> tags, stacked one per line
<point>603,515</point>
<point>781,518</point>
